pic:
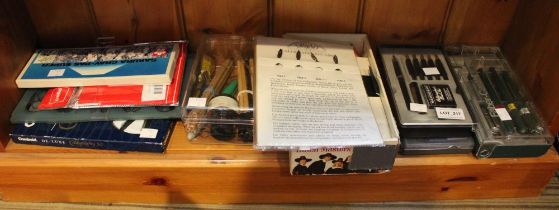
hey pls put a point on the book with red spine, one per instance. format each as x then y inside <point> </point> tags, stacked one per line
<point>118,96</point>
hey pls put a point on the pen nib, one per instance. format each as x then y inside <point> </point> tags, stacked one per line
<point>314,57</point>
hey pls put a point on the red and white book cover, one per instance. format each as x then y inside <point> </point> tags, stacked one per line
<point>118,96</point>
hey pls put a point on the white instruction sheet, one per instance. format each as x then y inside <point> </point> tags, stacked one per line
<point>310,107</point>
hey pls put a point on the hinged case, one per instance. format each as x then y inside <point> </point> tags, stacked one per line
<point>422,130</point>
<point>507,122</point>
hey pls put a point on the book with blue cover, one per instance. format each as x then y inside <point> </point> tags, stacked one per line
<point>139,64</point>
<point>131,135</point>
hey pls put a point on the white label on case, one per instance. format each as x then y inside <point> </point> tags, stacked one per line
<point>194,102</point>
<point>154,92</point>
<point>418,107</point>
<point>55,73</point>
<point>450,113</point>
<point>431,71</point>
<point>503,114</point>
<point>148,133</point>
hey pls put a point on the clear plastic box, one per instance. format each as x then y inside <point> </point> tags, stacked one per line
<point>507,122</point>
<point>219,106</point>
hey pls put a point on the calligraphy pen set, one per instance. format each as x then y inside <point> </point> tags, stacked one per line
<point>431,113</point>
<point>466,100</point>
<point>508,125</point>
<point>219,108</point>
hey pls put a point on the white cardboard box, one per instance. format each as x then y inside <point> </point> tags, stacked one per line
<point>358,159</point>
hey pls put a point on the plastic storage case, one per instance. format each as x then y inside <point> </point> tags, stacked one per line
<point>432,115</point>
<point>218,108</point>
<point>507,122</point>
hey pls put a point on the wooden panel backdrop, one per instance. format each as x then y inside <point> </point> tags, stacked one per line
<point>62,23</point>
<point>17,39</point>
<point>138,20</point>
<point>532,46</point>
<point>405,21</point>
<point>479,22</point>
<point>386,21</point>
<point>334,16</point>
<point>248,17</point>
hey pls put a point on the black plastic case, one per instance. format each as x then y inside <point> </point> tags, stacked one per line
<point>424,132</point>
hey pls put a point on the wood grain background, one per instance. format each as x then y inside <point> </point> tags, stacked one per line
<point>17,40</point>
<point>329,16</point>
<point>532,47</point>
<point>62,23</point>
<point>65,23</point>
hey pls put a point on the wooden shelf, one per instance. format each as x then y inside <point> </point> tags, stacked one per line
<point>238,174</point>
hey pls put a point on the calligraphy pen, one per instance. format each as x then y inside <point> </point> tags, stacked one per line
<point>216,84</point>
<point>507,125</point>
<point>401,81</point>
<point>244,97</point>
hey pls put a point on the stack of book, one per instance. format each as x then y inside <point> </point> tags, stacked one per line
<point>123,98</point>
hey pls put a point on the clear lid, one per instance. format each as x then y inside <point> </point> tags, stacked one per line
<point>221,82</point>
<point>502,109</point>
<point>219,105</point>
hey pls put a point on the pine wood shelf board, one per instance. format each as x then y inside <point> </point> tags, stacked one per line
<point>182,153</point>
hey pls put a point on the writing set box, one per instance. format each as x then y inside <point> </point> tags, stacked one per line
<point>146,63</point>
<point>507,121</point>
<point>219,105</point>
<point>133,135</point>
<point>432,114</point>
<point>354,159</point>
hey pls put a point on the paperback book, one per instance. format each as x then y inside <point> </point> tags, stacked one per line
<point>149,63</point>
<point>120,95</point>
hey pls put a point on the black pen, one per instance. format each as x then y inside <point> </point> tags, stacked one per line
<point>416,94</point>
<point>424,65</point>
<point>417,68</point>
<point>529,118</point>
<point>401,81</point>
<point>410,68</point>
<point>432,64</point>
<point>414,88</point>
<point>440,66</point>
<point>506,99</point>
<point>375,86</point>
